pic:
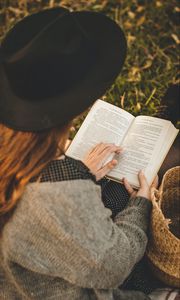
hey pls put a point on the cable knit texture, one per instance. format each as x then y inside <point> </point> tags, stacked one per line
<point>61,243</point>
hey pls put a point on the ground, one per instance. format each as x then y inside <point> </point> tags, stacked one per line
<point>151,28</point>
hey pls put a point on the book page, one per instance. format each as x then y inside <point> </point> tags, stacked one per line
<point>145,147</point>
<point>105,123</point>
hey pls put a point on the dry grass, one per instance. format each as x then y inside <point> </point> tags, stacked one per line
<point>151,28</point>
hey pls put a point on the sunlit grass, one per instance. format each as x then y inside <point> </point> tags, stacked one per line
<point>151,28</point>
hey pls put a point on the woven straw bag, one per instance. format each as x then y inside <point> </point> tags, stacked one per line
<point>163,250</point>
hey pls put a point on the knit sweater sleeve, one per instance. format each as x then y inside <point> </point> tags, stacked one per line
<point>62,229</point>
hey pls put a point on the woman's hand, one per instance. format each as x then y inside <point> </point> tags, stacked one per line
<point>144,190</point>
<point>96,157</point>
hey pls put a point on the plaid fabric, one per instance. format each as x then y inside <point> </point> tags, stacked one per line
<point>114,197</point>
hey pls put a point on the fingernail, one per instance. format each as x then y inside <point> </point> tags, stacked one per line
<point>114,162</point>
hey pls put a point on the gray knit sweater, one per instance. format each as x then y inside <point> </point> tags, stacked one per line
<point>61,243</point>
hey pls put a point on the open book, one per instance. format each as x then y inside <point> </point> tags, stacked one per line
<point>145,140</point>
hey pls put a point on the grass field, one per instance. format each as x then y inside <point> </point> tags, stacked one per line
<point>151,28</point>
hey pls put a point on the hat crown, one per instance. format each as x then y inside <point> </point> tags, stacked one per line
<point>61,51</point>
<point>54,64</point>
<point>26,29</point>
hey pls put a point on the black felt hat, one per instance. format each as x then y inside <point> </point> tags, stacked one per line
<point>54,64</point>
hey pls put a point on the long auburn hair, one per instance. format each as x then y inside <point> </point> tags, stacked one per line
<point>22,156</point>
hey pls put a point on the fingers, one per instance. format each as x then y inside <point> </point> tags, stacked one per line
<point>128,186</point>
<point>142,180</point>
<point>155,182</point>
<point>106,169</point>
<point>97,148</point>
<point>98,155</point>
<point>103,148</point>
<point>108,152</point>
<point>144,190</point>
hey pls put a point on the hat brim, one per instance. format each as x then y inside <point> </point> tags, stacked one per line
<point>21,114</point>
